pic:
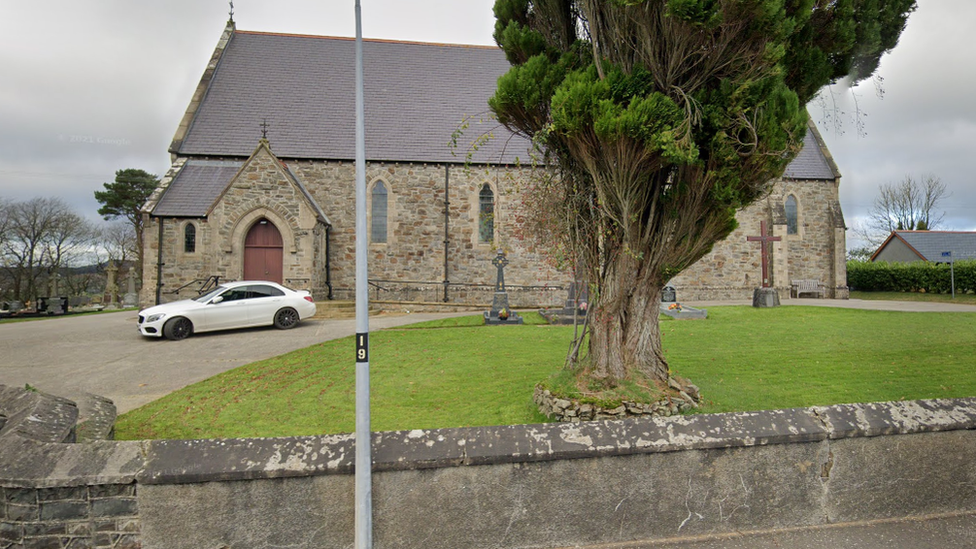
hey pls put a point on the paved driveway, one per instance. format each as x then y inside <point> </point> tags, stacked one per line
<point>105,355</point>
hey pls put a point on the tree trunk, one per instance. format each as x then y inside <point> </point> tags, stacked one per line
<point>625,335</point>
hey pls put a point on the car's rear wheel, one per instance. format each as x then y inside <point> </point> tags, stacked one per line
<point>286,318</point>
<point>178,328</point>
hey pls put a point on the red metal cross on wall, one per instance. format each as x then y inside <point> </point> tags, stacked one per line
<point>764,239</point>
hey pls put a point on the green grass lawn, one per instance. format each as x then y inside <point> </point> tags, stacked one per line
<point>459,373</point>
<point>961,298</point>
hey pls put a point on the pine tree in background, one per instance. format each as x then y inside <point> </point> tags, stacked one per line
<point>124,198</point>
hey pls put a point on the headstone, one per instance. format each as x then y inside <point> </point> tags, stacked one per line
<point>766,295</point>
<point>57,305</point>
<point>500,312</point>
<point>577,299</point>
<point>683,312</point>
<point>53,285</point>
<point>131,298</point>
<point>668,295</point>
<point>111,289</point>
<point>574,308</point>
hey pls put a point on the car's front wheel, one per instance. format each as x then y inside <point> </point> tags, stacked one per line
<point>178,328</point>
<point>286,318</point>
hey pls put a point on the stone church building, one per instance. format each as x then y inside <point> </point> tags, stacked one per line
<point>262,184</point>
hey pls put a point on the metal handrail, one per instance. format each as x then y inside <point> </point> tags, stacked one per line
<point>373,282</point>
<point>206,284</point>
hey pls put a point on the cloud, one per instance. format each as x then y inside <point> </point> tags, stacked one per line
<point>93,87</point>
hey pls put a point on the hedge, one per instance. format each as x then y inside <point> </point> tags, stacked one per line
<point>919,276</point>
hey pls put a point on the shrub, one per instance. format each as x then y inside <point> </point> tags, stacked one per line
<point>919,276</point>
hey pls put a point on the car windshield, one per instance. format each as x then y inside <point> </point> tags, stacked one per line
<point>211,294</point>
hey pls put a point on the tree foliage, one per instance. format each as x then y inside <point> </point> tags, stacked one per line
<point>125,197</point>
<point>41,237</point>
<point>663,118</point>
<point>909,205</point>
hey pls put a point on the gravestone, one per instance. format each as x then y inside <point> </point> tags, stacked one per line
<point>669,295</point>
<point>683,312</point>
<point>131,298</point>
<point>575,306</point>
<point>766,295</point>
<point>57,305</point>
<point>577,298</point>
<point>111,288</point>
<point>53,285</point>
<point>500,312</point>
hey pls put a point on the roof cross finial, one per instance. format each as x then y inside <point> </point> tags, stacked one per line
<point>264,129</point>
<point>231,11</point>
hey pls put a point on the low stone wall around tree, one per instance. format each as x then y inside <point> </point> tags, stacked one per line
<point>681,397</point>
<point>550,485</point>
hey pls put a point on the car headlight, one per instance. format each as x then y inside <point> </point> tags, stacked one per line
<point>155,317</point>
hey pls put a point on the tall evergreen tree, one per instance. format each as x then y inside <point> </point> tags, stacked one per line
<point>662,119</point>
<point>124,197</point>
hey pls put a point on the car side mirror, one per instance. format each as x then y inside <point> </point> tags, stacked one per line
<point>217,300</point>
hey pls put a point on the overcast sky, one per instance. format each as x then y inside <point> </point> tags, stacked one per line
<point>92,86</point>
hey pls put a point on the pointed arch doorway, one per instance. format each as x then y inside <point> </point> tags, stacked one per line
<point>263,255</point>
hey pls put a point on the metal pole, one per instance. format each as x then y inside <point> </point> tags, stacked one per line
<point>159,263</point>
<point>447,226</point>
<point>952,274</point>
<point>364,461</point>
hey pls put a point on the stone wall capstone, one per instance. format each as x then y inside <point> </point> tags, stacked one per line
<point>643,479</point>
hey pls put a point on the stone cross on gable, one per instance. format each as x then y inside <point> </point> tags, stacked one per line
<point>764,239</point>
<point>500,262</point>
<point>264,129</point>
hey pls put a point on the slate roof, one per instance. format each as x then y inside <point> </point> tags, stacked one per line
<point>416,95</point>
<point>812,162</point>
<point>930,244</point>
<point>196,187</point>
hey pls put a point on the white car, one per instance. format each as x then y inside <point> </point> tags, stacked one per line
<point>231,305</point>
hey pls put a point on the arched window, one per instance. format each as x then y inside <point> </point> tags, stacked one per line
<point>190,238</point>
<point>378,213</point>
<point>486,215</point>
<point>791,215</point>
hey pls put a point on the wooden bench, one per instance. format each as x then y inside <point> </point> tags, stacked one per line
<point>807,287</point>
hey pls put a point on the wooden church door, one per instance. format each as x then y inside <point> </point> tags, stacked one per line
<point>263,254</point>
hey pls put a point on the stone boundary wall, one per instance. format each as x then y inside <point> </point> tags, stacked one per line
<point>549,485</point>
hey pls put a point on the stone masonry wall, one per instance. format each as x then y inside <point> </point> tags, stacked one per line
<point>69,517</point>
<point>46,501</point>
<point>411,262</point>
<point>262,190</point>
<point>410,266</point>
<point>733,269</point>
<point>643,480</point>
